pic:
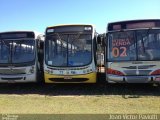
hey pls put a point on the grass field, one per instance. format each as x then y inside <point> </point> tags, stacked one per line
<point>79,99</point>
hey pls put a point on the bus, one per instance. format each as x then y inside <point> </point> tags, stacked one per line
<point>132,51</point>
<point>70,54</point>
<point>19,51</point>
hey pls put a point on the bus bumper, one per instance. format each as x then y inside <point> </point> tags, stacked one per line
<point>86,78</point>
<point>132,79</point>
<point>18,78</point>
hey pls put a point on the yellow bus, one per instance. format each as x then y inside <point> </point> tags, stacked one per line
<point>70,54</point>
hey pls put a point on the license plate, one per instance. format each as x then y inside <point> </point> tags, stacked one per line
<point>67,77</point>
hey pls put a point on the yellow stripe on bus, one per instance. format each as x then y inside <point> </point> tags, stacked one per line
<point>91,78</point>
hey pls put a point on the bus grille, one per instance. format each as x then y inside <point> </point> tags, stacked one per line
<point>134,72</point>
<point>68,80</point>
<point>12,71</point>
<point>17,78</point>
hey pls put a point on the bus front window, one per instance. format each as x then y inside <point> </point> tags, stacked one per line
<point>5,47</point>
<point>23,51</point>
<point>148,44</point>
<point>68,49</point>
<point>79,49</point>
<point>122,46</point>
<point>16,51</point>
<point>56,50</point>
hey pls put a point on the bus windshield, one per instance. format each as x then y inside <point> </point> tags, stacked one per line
<point>68,49</point>
<point>134,45</point>
<point>17,51</point>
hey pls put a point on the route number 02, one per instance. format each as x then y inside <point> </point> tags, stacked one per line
<point>116,52</point>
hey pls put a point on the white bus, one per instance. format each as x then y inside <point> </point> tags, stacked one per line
<point>19,51</point>
<point>70,54</point>
<point>133,51</point>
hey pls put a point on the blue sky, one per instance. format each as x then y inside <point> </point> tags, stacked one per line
<point>38,14</point>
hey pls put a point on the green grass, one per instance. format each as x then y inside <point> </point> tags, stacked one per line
<point>79,99</point>
<point>84,104</point>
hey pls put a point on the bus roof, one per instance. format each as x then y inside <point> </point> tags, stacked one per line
<point>60,25</point>
<point>70,28</point>
<point>133,24</point>
<point>37,34</point>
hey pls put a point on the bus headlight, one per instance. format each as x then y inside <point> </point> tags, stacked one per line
<point>31,70</point>
<point>49,71</point>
